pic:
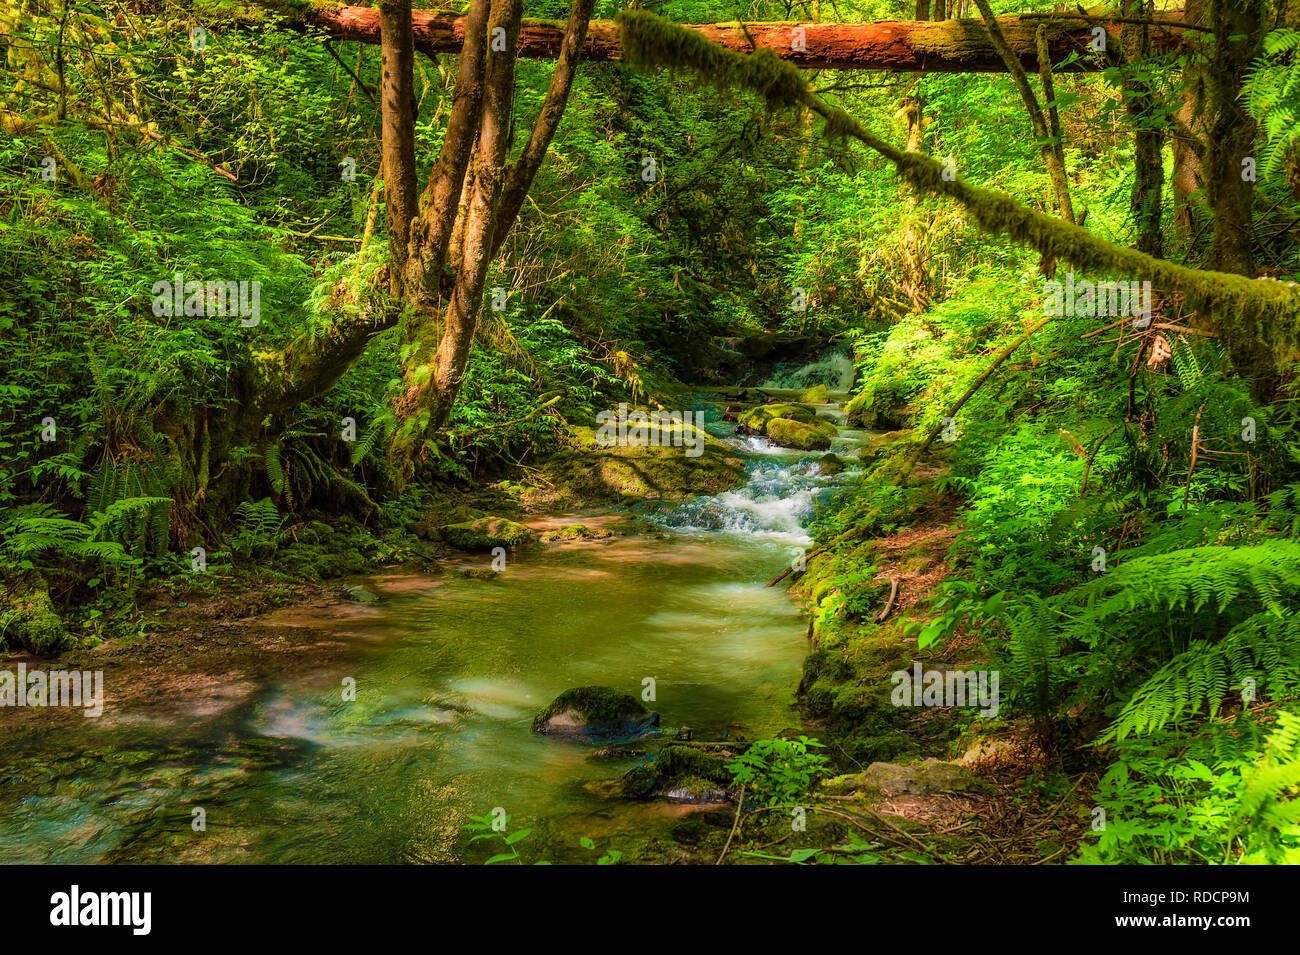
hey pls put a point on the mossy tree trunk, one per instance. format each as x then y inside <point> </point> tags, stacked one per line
<point>441,241</point>
<point>1140,104</point>
<point>1189,136</point>
<point>1238,31</point>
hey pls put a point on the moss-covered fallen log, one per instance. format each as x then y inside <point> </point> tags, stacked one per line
<point>950,46</point>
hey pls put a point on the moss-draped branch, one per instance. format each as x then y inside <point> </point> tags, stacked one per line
<point>1245,312</point>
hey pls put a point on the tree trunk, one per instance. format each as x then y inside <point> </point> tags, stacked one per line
<point>1238,31</point>
<point>1190,127</point>
<point>950,46</point>
<point>1051,150</point>
<point>915,236</point>
<point>398,106</point>
<point>1148,140</point>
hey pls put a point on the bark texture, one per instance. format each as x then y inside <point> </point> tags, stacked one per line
<point>948,46</point>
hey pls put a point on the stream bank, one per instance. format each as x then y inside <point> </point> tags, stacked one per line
<point>452,656</point>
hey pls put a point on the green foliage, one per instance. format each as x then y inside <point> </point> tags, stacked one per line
<point>260,529</point>
<point>777,771</point>
<point>1223,796</point>
<point>33,535</point>
<point>1272,94</point>
<point>853,851</point>
<point>488,827</point>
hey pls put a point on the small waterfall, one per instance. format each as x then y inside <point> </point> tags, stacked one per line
<point>834,369</point>
<point>783,490</point>
<point>776,502</point>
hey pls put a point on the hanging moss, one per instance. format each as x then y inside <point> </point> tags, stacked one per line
<point>1247,313</point>
<point>649,41</point>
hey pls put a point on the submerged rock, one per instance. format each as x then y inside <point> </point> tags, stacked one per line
<point>831,464</point>
<point>590,712</point>
<point>360,594</point>
<point>486,533</point>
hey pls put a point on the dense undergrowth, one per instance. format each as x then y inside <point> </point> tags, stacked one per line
<point>1140,609</point>
<point>1116,534</point>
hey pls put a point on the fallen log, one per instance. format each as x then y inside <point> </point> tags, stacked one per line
<point>902,46</point>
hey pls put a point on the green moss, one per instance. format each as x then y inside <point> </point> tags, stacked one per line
<point>596,705</point>
<point>831,464</point>
<point>676,764</point>
<point>584,472</point>
<point>486,533</point>
<point>817,394</point>
<point>757,419</point>
<point>796,434</point>
<point>28,620</point>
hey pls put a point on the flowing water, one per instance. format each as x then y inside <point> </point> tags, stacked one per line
<point>449,671</point>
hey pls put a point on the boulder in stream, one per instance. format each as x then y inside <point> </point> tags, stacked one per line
<point>486,533</point>
<point>831,463</point>
<point>680,773</point>
<point>797,434</point>
<point>790,426</point>
<point>595,712</point>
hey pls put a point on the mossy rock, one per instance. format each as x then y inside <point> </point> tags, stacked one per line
<point>681,773</point>
<point>694,791</point>
<point>878,410</point>
<point>757,419</point>
<point>594,712</point>
<point>486,533</point>
<point>877,444</point>
<point>816,395</point>
<point>28,620</point>
<point>831,464</point>
<point>676,762</point>
<point>796,434</point>
<point>585,472</point>
<point>574,532</point>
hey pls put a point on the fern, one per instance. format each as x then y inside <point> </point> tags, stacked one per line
<point>34,530</point>
<point>261,527</point>
<point>1269,809</point>
<point>127,503</point>
<point>1272,96</point>
<point>1263,648</point>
